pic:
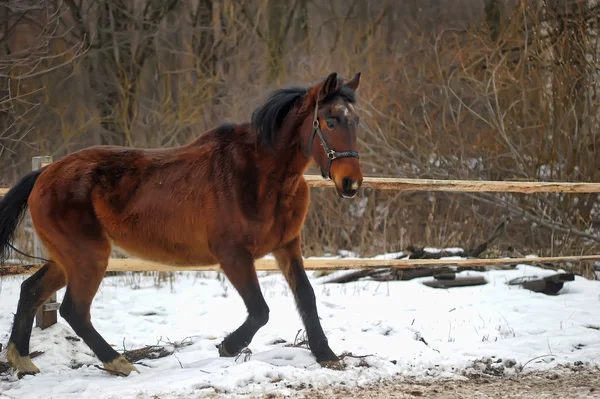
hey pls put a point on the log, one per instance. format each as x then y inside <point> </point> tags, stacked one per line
<point>445,276</point>
<point>456,282</point>
<point>549,285</point>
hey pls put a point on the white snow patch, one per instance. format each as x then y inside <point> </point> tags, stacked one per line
<point>389,321</point>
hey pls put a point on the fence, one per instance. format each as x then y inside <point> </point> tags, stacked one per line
<point>47,315</point>
<point>459,186</point>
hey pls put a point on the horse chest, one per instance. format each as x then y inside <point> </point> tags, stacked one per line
<point>288,219</point>
<point>290,215</point>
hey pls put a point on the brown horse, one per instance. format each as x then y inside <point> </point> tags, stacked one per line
<point>233,195</point>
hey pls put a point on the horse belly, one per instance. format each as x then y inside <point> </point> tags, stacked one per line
<point>160,235</point>
<point>168,252</point>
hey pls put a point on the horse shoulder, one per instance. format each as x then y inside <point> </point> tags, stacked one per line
<point>294,214</point>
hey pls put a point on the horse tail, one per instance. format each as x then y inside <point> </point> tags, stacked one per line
<point>12,210</point>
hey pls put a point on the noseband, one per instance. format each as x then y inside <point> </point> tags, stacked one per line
<point>331,154</point>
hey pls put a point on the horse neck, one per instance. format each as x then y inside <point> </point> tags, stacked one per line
<point>290,156</point>
<point>288,160</point>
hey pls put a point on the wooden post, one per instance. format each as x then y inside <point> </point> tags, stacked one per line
<point>47,313</point>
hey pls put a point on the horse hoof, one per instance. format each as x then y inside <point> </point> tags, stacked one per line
<point>327,359</point>
<point>326,355</point>
<point>22,364</point>
<point>332,364</point>
<point>222,351</point>
<point>120,366</point>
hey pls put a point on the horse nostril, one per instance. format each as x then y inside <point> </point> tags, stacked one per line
<point>347,184</point>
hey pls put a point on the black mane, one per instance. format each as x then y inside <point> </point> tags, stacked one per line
<point>268,118</point>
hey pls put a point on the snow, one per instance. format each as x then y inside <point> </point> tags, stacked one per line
<point>406,328</point>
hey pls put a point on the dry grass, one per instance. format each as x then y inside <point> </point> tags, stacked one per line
<point>460,94</point>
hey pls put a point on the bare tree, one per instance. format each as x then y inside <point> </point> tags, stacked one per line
<point>465,89</point>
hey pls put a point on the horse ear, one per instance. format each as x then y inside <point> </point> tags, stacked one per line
<point>355,82</point>
<point>330,85</point>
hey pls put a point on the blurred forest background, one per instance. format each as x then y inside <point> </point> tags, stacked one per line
<point>461,89</point>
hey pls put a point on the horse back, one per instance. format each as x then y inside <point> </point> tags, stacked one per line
<point>177,205</point>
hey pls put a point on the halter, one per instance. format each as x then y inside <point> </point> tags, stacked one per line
<point>331,154</point>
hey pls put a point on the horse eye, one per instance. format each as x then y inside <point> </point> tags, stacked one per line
<point>330,123</point>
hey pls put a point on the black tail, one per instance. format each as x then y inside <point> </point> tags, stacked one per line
<point>12,210</point>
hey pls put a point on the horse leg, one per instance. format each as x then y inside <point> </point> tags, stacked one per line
<point>289,261</point>
<point>75,309</point>
<point>238,266</point>
<point>78,243</point>
<point>34,292</point>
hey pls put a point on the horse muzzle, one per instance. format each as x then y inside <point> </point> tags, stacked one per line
<point>349,187</point>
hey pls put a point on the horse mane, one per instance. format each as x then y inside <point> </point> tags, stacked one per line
<point>268,119</point>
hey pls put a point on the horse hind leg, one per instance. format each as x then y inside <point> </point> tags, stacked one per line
<point>75,309</point>
<point>35,290</point>
<point>77,242</point>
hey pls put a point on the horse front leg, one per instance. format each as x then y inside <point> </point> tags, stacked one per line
<point>289,261</point>
<point>238,266</point>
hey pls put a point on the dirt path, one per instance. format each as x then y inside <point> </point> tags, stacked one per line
<point>581,384</point>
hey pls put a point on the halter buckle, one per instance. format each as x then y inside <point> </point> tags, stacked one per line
<point>331,154</point>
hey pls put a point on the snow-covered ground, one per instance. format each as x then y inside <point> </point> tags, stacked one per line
<point>406,328</point>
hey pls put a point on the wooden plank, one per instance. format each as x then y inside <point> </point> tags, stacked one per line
<point>268,264</point>
<point>462,186</point>
<point>47,314</point>
<point>347,264</point>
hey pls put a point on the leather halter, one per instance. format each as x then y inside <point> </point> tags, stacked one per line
<point>331,154</point>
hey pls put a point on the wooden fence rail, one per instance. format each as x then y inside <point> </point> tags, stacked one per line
<point>464,186</point>
<point>269,264</point>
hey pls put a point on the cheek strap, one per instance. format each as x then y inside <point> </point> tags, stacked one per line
<point>331,153</point>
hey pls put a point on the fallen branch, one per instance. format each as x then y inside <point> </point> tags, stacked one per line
<point>147,352</point>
